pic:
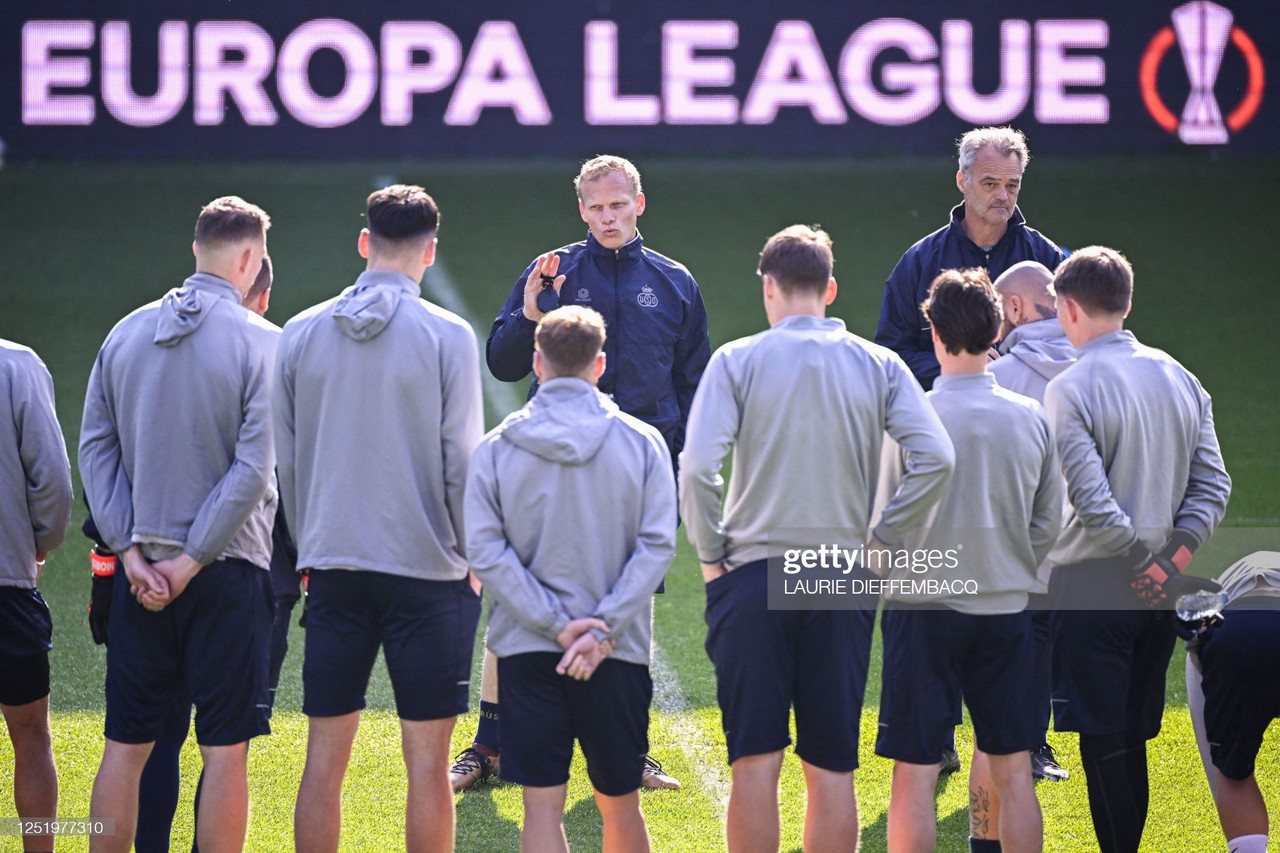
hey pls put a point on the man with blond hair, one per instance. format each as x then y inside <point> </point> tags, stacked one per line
<point>804,406</point>
<point>655,354</point>
<point>570,622</point>
<point>176,456</point>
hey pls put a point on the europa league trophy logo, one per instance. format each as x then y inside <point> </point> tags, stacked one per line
<point>1203,28</point>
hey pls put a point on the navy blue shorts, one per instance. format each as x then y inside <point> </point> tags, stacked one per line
<point>26,636</point>
<point>426,630</point>
<point>1240,660</point>
<point>933,657</point>
<point>1109,666</point>
<point>1042,668</point>
<point>23,678</point>
<point>768,661</point>
<point>212,641</point>
<point>543,712</point>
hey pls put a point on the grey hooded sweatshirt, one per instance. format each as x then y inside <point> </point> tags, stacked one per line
<point>1031,355</point>
<point>571,512</point>
<point>377,410</point>
<point>35,476</point>
<point>175,446</point>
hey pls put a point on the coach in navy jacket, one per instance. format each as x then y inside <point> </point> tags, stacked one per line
<point>657,344</point>
<point>986,230</point>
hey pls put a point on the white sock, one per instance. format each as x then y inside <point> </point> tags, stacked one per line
<point>1247,844</point>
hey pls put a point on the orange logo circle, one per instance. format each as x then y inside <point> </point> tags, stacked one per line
<point>1154,55</point>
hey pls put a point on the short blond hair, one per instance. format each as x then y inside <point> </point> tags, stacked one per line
<point>569,339</point>
<point>597,167</point>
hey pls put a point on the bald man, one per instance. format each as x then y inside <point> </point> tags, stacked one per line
<point>1033,346</point>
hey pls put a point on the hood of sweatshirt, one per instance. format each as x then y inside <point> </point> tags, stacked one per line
<point>365,308</point>
<point>1042,346</point>
<point>566,422</point>
<point>183,310</point>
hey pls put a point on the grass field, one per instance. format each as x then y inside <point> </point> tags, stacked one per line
<point>82,244</point>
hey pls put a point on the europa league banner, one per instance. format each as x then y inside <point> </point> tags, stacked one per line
<point>391,78</point>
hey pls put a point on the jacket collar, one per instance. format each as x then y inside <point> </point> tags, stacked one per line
<point>630,252</point>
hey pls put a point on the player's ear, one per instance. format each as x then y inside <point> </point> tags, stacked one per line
<point>429,253</point>
<point>597,370</point>
<point>193,249</point>
<point>639,203</point>
<point>362,243</point>
<point>832,290</point>
<point>960,180</point>
<point>537,364</point>
<point>582,211</point>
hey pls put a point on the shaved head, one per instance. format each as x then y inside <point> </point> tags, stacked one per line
<point>1026,295</point>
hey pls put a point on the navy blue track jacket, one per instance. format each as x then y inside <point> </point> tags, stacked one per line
<point>657,344</point>
<point>902,326</point>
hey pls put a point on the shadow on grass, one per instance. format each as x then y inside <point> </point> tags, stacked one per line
<point>480,826</point>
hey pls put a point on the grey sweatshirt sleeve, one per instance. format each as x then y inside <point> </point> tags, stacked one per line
<point>655,545</point>
<point>44,458</point>
<point>106,483</point>
<point>927,453</point>
<point>1046,507</point>
<point>282,422</point>
<point>1088,489</point>
<point>713,424</point>
<point>461,425</point>
<point>496,563</point>
<point>242,487</point>
<point>1208,485</point>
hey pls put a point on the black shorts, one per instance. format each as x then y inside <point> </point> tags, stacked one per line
<point>1109,666</point>
<point>935,656</point>
<point>543,712</point>
<point>426,630</point>
<point>212,641</point>
<point>1240,662</point>
<point>24,678</point>
<point>768,661</point>
<point>26,627</point>
<point>1042,668</point>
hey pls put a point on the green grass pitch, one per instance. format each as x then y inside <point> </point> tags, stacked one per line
<point>82,244</point>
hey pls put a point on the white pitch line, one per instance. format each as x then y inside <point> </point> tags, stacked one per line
<point>668,696</point>
<point>670,699</point>
<point>502,396</point>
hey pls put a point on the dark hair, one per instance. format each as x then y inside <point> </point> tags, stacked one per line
<point>230,219</point>
<point>401,213</point>
<point>964,310</point>
<point>798,258</point>
<point>569,339</point>
<point>262,282</point>
<point>1098,278</point>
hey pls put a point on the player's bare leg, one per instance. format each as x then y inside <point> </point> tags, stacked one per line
<point>984,800</point>
<point>624,828</point>
<point>753,822</point>
<point>831,814</point>
<point>35,778</point>
<point>115,794</point>
<point>913,819</point>
<point>429,815</point>
<point>223,820</point>
<point>543,828</point>
<point>1241,807</point>
<point>1021,826</point>
<point>317,817</point>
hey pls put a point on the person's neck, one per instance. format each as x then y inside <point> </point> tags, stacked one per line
<point>981,233</point>
<point>1096,329</point>
<point>413,272</point>
<point>965,363</point>
<point>227,275</point>
<point>781,310</point>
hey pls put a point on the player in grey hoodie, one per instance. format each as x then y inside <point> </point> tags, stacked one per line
<point>35,494</point>
<point>377,411</point>
<point>571,518</point>
<point>176,454</point>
